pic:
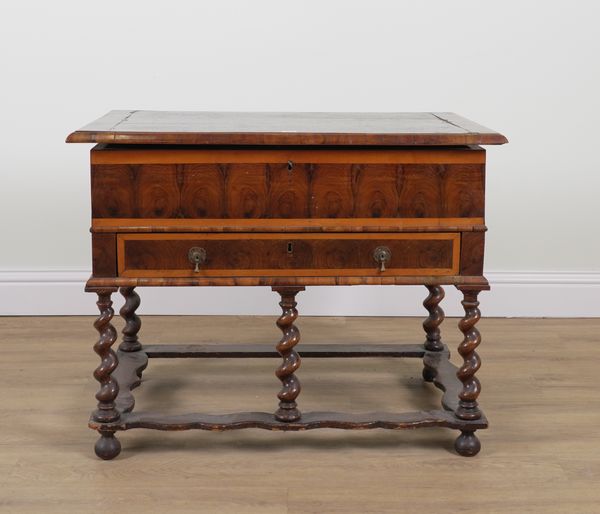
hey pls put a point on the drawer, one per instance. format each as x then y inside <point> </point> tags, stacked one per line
<point>290,254</point>
<point>287,184</point>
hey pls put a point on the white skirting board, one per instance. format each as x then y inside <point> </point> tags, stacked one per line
<point>513,294</point>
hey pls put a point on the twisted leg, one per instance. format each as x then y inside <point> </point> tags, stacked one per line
<point>467,443</point>
<point>107,446</point>
<point>290,390</point>
<point>433,341</point>
<point>133,323</point>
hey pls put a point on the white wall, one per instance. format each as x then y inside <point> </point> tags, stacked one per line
<point>528,69</point>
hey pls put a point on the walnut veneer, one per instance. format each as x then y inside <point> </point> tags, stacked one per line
<point>286,200</point>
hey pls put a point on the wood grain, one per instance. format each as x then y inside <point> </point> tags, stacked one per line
<point>111,225</point>
<point>246,191</point>
<point>157,192</point>
<point>262,190</point>
<point>201,191</point>
<point>280,128</point>
<point>149,154</point>
<point>294,255</point>
<point>104,255</point>
<point>324,280</point>
<point>472,253</point>
<point>288,192</point>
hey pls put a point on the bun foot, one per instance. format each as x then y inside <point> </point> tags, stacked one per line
<point>108,446</point>
<point>428,374</point>
<point>467,444</point>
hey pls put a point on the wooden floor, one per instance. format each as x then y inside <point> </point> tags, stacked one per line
<point>540,392</point>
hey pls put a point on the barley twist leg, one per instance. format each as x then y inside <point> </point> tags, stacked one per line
<point>433,341</point>
<point>108,446</point>
<point>467,444</point>
<point>133,323</point>
<point>288,409</point>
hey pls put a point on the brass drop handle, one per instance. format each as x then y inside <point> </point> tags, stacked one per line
<point>382,255</point>
<point>197,256</point>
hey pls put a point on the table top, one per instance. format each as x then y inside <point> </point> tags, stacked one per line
<point>282,128</point>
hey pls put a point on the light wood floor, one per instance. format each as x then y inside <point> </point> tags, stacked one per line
<point>540,392</point>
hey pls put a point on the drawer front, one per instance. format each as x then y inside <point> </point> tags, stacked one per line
<point>288,184</point>
<point>293,255</point>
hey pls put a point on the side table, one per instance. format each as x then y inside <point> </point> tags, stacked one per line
<point>286,200</point>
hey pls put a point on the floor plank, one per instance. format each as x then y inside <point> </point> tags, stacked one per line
<point>541,454</point>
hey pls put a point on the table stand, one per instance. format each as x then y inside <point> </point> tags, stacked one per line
<point>120,372</point>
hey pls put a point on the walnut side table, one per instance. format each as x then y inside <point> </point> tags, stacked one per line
<point>286,200</point>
